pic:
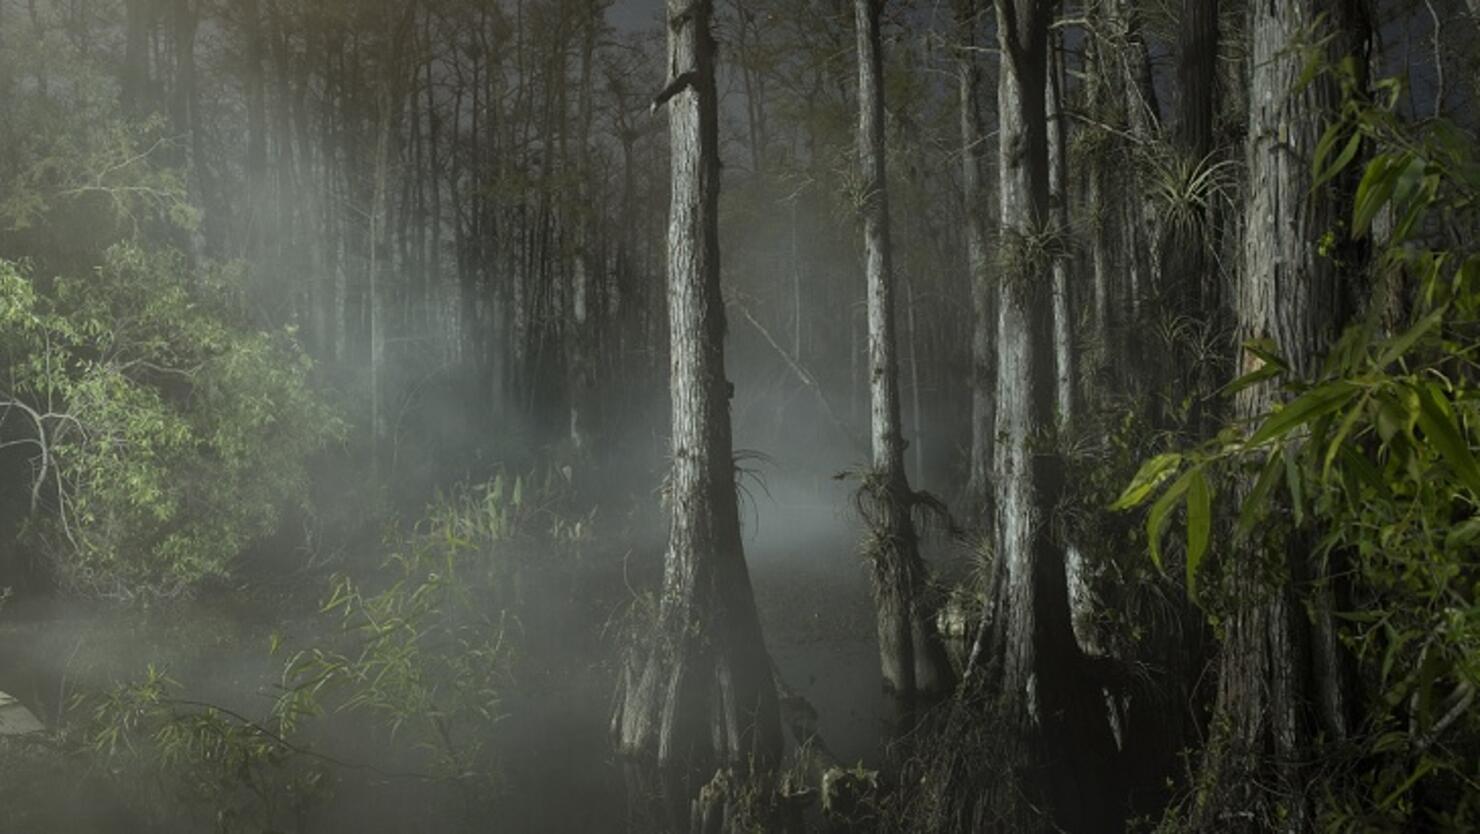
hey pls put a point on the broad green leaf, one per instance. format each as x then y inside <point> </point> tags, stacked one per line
<point>1400,345</point>
<point>1151,475</point>
<point>1394,416</point>
<point>1254,503</point>
<point>1324,146</point>
<point>1348,153</point>
<point>1309,406</point>
<point>1199,526</point>
<point>1268,351</point>
<point>1156,519</point>
<point>1342,432</point>
<point>1375,189</point>
<point>1261,374</point>
<point>1442,430</point>
<point>1296,483</point>
<point>1410,184</point>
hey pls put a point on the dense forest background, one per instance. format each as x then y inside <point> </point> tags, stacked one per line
<point>741,415</point>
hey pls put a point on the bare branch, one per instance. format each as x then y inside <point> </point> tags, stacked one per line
<point>676,86</point>
<point>802,373</point>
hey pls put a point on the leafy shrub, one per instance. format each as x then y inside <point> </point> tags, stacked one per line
<point>164,435</point>
<point>1377,456</point>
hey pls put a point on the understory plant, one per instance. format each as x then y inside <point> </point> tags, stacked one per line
<point>157,433</point>
<point>1373,460</point>
<point>408,669</point>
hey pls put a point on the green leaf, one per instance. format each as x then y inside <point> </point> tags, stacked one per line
<point>1375,189</point>
<point>1342,432</point>
<point>1394,416</point>
<point>1442,430</point>
<point>1348,153</point>
<point>1249,512</point>
<point>1311,405</point>
<point>1268,351</point>
<point>1262,373</point>
<point>1463,534</point>
<point>1151,475</point>
<point>1156,520</point>
<point>1398,346</point>
<point>1199,526</point>
<point>1297,491</point>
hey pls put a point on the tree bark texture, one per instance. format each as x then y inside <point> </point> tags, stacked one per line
<point>983,298</point>
<point>703,696</point>
<point>1055,714</point>
<point>1290,293</point>
<point>914,663</point>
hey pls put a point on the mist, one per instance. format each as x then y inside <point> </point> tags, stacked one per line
<point>743,416</point>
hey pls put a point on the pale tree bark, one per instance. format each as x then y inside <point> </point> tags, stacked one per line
<point>983,306</point>
<point>1053,712</point>
<point>699,694</point>
<point>1066,305</point>
<point>1025,371</point>
<point>1270,674</point>
<point>1065,372</point>
<point>913,660</point>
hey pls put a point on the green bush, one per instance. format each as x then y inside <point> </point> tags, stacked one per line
<point>164,435</point>
<point>1376,459</point>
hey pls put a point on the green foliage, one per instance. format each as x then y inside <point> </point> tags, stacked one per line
<point>1183,191</point>
<point>179,758</point>
<point>429,653</point>
<point>425,656</point>
<point>1376,456</point>
<point>166,436</point>
<point>424,647</point>
<point>75,175</point>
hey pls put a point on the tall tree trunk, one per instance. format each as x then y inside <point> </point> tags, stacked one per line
<point>700,693</point>
<point>1102,207</point>
<point>914,662</point>
<point>1053,712</point>
<point>1290,293</point>
<point>1197,76</point>
<point>376,242</point>
<point>1186,246</point>
<point>583,400</point>
<point>1143,115</point>
<point>983,297</point>
<point>1065,380</point>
